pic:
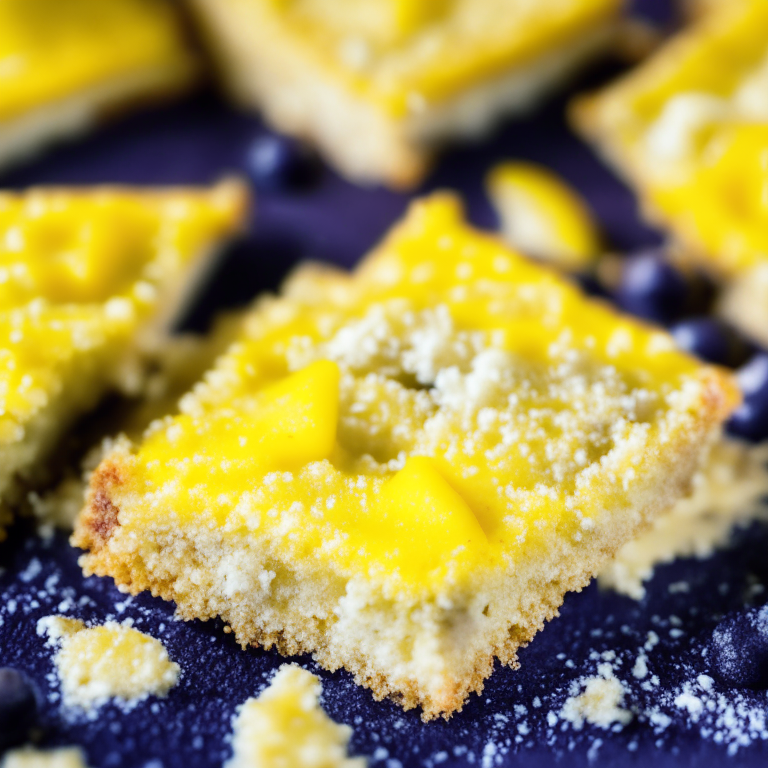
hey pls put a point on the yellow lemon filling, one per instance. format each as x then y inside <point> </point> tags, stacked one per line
<point>722,202</point>
<point>50,50</point>
<point>449,407</point>
<point>691,127</point>
<point>82,273</point>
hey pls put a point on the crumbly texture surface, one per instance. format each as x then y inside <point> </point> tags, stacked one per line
<point>730,489</point>
<point>29,757</point>
<point>108,55</point>
<point>446,442</point>
<point>87,277</point>
<point>597,701</point>
<point>285,726</point>
<point>689,128</point>
<point>376,84</point>
<point>111,661</point>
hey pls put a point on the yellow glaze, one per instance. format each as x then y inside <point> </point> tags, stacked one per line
<point>449,405</point>
<point>714,57</point>
<point>285,727</point>
<point>401,53</point>
<point>722,202</point>
<point>691,128</point>
<point>79,275</point>
<point>543,216</point>
<point>50,49</point>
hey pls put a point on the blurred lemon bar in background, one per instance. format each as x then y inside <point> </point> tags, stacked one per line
<point>403,470</point>
<point>377,84</point>
<point>690,130</point>
<point>89,281</point>
<point>64,64</point>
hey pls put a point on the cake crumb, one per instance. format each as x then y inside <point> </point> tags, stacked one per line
<point>285,726</point>
<point>28,757</point>
<point>597,700</point>
<point>111,661</point>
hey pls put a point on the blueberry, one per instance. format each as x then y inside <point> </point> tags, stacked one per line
<point>753,377</point>
<point>18,707</point>
<point>738,649</point>
<point>750,419</point>
<point>652,288</point>
<point>282,164</point>
<point>711,340</point>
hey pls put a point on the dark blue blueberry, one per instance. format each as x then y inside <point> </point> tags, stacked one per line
<point>652,288</point>
<point>753,377</point>
<point>18,707</point>
<point>709,339</point>
<point>738,649</point>
<point>750,419</point>
<point>282,164</point>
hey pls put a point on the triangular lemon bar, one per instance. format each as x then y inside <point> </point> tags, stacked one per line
<point>402,471</point>
<point>87,278</point>
<point>64,64</point>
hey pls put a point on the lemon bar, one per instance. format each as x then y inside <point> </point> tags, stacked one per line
<point>376,84</point>
<point>64,64</point>
<point>88,280</point>
<point>690,130</point>
<point>403,470</point>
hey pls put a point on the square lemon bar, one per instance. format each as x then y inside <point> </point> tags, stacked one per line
<point>690,130</point>
<point>88,280</point>
<point>63,64</point>
<point>403,470</point>
<point>376,84</point>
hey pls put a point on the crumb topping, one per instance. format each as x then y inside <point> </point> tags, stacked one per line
<point>522,407</point>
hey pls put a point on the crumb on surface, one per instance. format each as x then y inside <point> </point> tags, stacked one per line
<point>111,661</point>
<point>285,726</point>
<point>597,700</point>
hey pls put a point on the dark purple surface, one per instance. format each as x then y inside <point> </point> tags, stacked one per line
<point>197,142</point>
